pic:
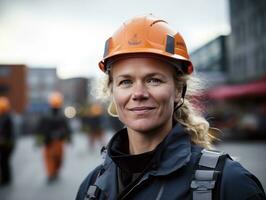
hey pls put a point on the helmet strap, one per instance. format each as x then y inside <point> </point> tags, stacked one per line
<point>179,105</point>
<point>182,98</point>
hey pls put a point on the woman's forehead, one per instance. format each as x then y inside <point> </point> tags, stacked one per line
<point>141,65</point>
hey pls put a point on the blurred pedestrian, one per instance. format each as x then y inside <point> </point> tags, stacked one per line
<point>93,125</point>
<point>164,151</point>
<point>7,141</point>
<point>53,131</point>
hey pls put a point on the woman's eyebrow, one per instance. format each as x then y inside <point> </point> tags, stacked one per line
<point>145,75</point>
<point>123,76</point>
<point>155,74</point>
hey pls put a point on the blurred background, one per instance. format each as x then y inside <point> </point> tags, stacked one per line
<point>55,45</point>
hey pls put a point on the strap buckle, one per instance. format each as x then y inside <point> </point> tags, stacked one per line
<point>202,190</point>
<point>93,193</point>
<point>202,185</point>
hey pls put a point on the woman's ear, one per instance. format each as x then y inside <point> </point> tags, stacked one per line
<point>110,85</point>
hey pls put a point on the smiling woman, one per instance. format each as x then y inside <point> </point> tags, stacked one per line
<point>164,150</point>
<point>144,92</point>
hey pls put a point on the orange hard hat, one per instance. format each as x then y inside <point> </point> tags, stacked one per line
<point>4,105</point>
<point>56,100</point>
<point>147,35</point>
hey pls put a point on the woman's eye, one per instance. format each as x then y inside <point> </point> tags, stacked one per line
<point>125,82</point>
<point>154,81</point>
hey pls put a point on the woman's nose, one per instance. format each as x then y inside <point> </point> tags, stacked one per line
<point>140,92</point>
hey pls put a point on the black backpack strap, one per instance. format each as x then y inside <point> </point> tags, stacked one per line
<point>205,184</point>
<point>219,168</point>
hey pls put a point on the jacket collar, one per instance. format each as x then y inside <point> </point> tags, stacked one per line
<point>174,153</point>
<point>171,154</point>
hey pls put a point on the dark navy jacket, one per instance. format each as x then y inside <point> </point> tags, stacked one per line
<point>170,175</point>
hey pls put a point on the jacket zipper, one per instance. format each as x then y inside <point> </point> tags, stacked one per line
<point>136,185</point>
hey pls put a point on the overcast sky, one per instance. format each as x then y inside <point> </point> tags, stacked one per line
<point>70,34</point>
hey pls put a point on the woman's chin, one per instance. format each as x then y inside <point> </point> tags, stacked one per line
<point>143,126</point>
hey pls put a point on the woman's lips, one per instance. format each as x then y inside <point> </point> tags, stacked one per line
<point>141,109</point>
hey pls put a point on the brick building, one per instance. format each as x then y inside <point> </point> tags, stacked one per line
<point>13,84</point>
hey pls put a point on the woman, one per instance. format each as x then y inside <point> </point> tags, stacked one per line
<point>159,154</point>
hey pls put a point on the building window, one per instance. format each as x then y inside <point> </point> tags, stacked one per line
<point>33,79</point>
<point>261,60</point>
<point>4,71</point>
<point>215,51</point>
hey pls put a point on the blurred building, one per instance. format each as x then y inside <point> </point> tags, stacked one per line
<point>211,62</point>
<point>247,40</point>
<point>247,70</point>
<point>41,82</point>
<point>246,46</point>
<point>13,85</point>
<point>238,108</point>
<point>246,52</point>
<point>75,91</point>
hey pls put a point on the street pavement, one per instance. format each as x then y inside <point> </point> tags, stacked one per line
<point>29,174</point>
<point>30,181</point>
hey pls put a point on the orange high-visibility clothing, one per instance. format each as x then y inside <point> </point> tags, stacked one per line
<point>53,156</point>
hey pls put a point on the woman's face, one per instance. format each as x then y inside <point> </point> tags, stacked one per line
<point>144,92</point>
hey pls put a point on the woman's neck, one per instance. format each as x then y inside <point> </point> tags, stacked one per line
<point>140,142</point>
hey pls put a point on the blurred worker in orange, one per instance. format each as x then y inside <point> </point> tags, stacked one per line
<point>54,131</point>
<point>93,125</point>
<point>7,141</point>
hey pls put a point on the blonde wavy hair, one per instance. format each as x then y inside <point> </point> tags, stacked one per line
<point>189,114</point>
